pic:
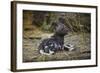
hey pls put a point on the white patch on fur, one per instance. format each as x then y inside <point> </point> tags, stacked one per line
<point>50,52</point>
<point>41,51</point>
<point>46,47</point>
<point>55,45</point>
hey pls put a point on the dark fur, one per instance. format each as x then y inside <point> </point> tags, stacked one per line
<point>56,42</point>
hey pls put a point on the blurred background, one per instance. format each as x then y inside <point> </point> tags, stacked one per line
<point>38,25</point>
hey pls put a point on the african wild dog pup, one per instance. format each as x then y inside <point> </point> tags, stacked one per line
<point>55,42</point>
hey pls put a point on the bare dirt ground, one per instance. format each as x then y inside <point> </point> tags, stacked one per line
<point>31,40</point>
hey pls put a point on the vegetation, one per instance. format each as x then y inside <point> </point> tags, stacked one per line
<point>38,25</point>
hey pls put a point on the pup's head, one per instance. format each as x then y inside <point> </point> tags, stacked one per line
<point>60,27</point>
